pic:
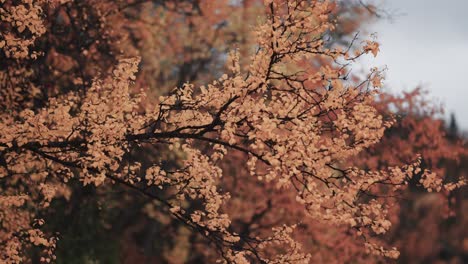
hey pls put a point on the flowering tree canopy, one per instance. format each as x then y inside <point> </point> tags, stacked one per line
<point>271,144</point>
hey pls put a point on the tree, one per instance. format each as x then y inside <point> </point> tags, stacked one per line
<point>425,224</point>
<point>77,118</point>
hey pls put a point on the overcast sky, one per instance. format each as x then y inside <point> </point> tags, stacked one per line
<point>427,45</point>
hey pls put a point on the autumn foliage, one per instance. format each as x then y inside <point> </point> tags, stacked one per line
<point>230,131</point>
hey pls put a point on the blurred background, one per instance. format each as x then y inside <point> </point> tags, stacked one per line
<point>425,43</point>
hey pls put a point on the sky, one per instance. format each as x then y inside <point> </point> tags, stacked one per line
<point>426,44</point>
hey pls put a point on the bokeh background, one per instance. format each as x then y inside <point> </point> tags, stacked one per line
<point>425,43</point>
